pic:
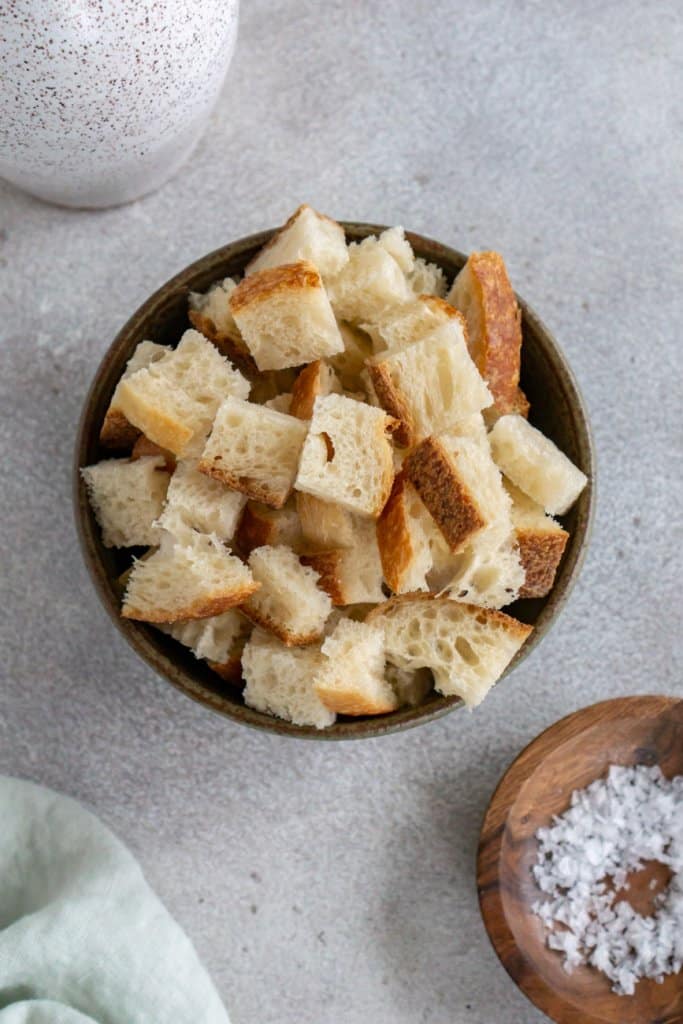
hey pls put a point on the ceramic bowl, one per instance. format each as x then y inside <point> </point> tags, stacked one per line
<point>556,408</point>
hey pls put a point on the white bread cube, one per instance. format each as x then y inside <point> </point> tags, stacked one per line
<point>371,281</point>
<point>351,681</point>
<point>209,312</point>
<point>285,316</point>
<point>353,574</point>
<point>127,499</point>
<point>429,385</point>
<point>173,401</point>
<point>307,235</point>
<point>289,602</point>
<point>488,572</point>
<point>427,279</point>
<point>324,524</point>
<point>466,648</point>
<point>219,640</point>
<point>404,325</point>
<point>407,537</point>
<point>116,431</point>
<point>261,526</point>
<point>411,686</point>
<point>394,241</point>
<point>196,502</point>
<point>314,380</point>
<point>350,363</point>
<point>254,450</point>
<point>541,542</point>
<point>483,293</point>
<point>192,578</point>
<point>536,465</point>
<point>347,457</point>
<point>280,680</point>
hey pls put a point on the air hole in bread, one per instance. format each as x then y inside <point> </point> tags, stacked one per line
<point>465,651</point>
<point>329,446</point>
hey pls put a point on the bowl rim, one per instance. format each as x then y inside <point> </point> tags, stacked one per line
<point>136,633</point>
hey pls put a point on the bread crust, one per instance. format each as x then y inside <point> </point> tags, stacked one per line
<point>201,609</point>
<point>230,345</point>
<point>279,629</point>
<point>264,284</point>
<point>514,627</point>
<point>394,539</point>
<point>158,426</point>
<point>257,490</point>
<point>393,402</point>
<point>352,701</point>
<point>328,566</point>
<point>117,431</point>
<point>540,552</point>
<point>230,671</point>
<point>280,231</point>
<point>451,505</point>
<point>254,530</point>
<point>307,386</point>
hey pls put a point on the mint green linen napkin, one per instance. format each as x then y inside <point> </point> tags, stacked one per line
<point>83,938</point>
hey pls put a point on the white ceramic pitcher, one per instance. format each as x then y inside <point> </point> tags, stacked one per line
<point>101,101</point>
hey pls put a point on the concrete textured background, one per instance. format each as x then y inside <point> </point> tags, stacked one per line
<point>334,884</point>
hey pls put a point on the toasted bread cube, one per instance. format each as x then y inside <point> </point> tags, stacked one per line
<point>173,401</point>
<point>289,602</point>
<point>350,363</point>
<point>346,457</point>
<point>280,680</point>
<point>196,502</point>
<point>192,578</point>
<point>536,465</point>
<point>324,524</point>
<point>351,575</point>
<point>254,450</point>
<point>314,380</point>
<point>218,639</point>
<point>407,537</point>
<point>466,648</point>
<point>541,542</point>
<point>483,293</point>
<point>404,325</point>
<point>307,235</point>
<point>370,282</point>
<point>429,385</point>
<point>427,279</point>
<point>285,316</point>
<point>209,312</point>
<point>261,526</point>
<point>127,498</point>
<point>351,681</point>
<point>116,431</point>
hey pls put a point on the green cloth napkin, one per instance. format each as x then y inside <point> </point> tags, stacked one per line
<point>83,938</point>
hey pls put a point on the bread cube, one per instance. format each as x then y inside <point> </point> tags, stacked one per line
<point>488,572</point>
<point>285,316</point>
<point>173,401</point>
<point>429,385</point>
<point>353,574</point>
<point>394,241</point>
<point>219,640</point>
<point>116,431</point>
<point>324,524</point>
<point>427,279</point>
<point>370,282</point>
<point>210,313</point>
<point>280,680</point>
<point>127,498</point>
<point>196,502</point>
<point>314,380</point>
<point>346,457</point>
<point>351,681</point>
<point>407,536</point>
<point>541,542</point>
<point>404,325</point>
<point>261,526</point>
<point>289,602</point>
<point>483,293</point>
<point>307,235</point>
<point>536,465</point>
<point>192,578</point>
<point>254,450</point>
<point>466,648</point>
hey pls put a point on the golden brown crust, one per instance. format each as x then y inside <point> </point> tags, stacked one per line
<point>143,446</point>
<point>352,701</point>
<point>255,530</point>
<point>394,539</point>
<point>279,629</point>
<point>485,616</point>
<point>328,566</point>
<point>258,490</point>
<point>201,609</point>
<point>264,284</point>
<point>307,387</point>
<point>439,305</point>
<point>540,552</point>
<point>116,431</point>
<point>231,345</point>
<point>453,508</point>
<point>393,402</point>
<point>154,422</point>
<point>230,670</point>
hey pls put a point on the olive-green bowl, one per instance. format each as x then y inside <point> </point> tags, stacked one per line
<point>556,408</point>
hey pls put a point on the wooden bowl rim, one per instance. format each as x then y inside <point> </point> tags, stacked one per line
<point>492,833</point>
<point>138,635</point>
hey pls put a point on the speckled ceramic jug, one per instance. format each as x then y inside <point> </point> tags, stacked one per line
<point>101,101</point>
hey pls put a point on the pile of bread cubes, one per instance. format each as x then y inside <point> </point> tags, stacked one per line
<point>335,478</point>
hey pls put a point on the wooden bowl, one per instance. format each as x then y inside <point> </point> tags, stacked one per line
<point>556,407</point>
<point>569,756</point>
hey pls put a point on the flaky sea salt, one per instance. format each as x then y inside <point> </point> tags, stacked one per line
<point>584,858</point>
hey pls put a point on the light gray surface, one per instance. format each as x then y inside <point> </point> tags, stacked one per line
<point>334,884</point>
